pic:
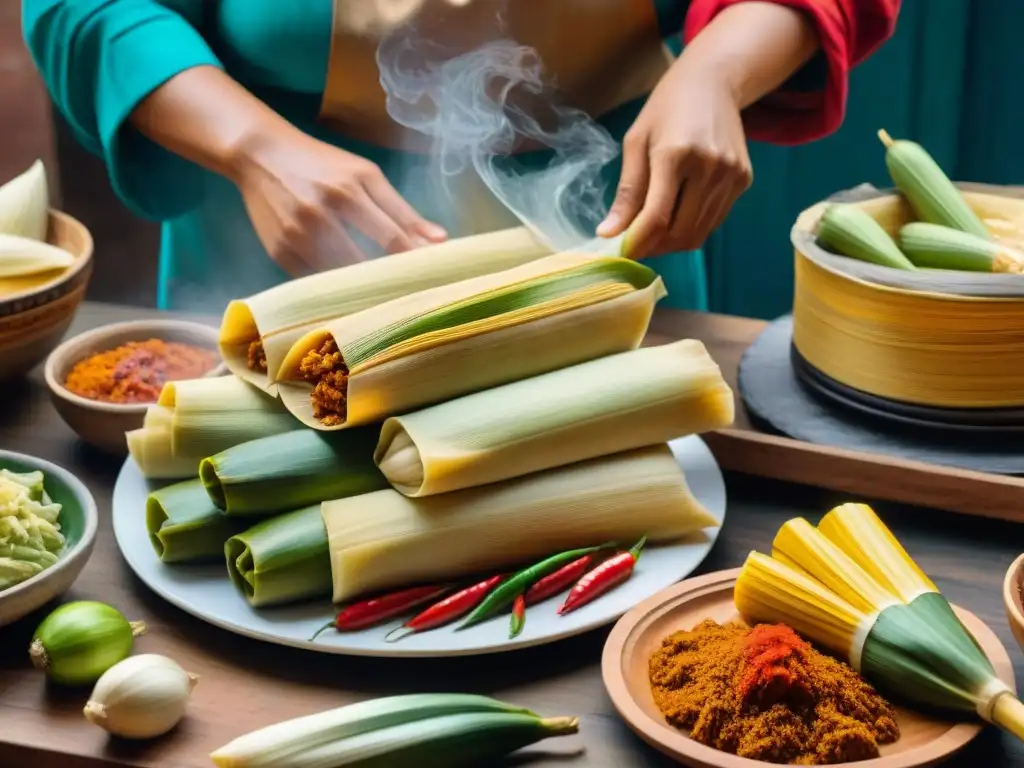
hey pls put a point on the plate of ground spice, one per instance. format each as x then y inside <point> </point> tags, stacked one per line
<point>684,672</point>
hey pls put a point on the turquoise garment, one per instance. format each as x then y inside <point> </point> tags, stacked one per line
<point>100,58</point>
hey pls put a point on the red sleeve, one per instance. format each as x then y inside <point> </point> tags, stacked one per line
<point>850,31</point>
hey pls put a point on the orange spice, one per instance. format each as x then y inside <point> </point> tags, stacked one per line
<point>766,694</point>
<point>325,369</point>
<point>257,358</point>
<point>136,372</point>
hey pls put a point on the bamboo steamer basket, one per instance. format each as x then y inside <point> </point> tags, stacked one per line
<point>36,311</point>
<point>935,338</point>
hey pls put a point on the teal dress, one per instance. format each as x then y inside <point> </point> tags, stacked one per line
<point>100,58</point>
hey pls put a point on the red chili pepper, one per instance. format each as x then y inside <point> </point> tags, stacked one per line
<point>518,616</point>
<point>558,581</point>
<point>608,574</point>
<point>375,610</point>
<point>449,609</point>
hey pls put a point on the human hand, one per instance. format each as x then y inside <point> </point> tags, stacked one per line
<point>685,162</point>
<point>301,194</point>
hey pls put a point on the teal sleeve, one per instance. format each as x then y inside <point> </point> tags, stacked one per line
<point>99,59</point>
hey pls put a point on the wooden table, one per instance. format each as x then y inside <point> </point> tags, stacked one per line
<point>247,684</point>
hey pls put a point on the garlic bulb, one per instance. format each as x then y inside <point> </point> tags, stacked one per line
<point>24,204</point>
<point>141,697</point>
<point>21,256</point>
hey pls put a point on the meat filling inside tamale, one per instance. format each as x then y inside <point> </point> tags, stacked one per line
<point>257,357</point>
<point>325,369</point>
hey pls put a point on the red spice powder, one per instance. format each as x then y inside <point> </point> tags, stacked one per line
<point>136,372</point>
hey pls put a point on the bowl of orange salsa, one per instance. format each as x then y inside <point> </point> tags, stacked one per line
<point>102,381</point>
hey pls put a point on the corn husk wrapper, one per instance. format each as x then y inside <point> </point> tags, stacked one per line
<point>860,534</point>
<point>281,315</point>
<point>383,540</point>
<point>198,418</point>
<point>612,404</point>
<point>184,526</point>
<point>25,204</point>
<point>23,256</point>
<point>281,560</point>
<point>831,600</point>
<point>291,470</point>
<point>480,333</point>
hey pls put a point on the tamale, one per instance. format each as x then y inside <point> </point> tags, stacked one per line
<point>604,406</point>
<point>197,418</point>
<point>257,332</point>
<point>384,540</point>
<point>292,470</point>
<point>468,336</point>
<point>185,526</point>
<point>281,560</point>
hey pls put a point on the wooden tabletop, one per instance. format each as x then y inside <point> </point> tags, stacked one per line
<point>247,684</point>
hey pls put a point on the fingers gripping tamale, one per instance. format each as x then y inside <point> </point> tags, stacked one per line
<point>468,336</point>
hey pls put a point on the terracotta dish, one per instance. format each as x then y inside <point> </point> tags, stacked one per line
<point>103,424</point>
<point>36,310</point>
<point>924,741</point>
<point>1013,599</point>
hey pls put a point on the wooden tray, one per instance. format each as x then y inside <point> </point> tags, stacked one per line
<point>624,665</point>
<point>864,476</point>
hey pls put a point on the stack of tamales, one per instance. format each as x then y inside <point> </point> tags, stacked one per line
<point>375,418</point>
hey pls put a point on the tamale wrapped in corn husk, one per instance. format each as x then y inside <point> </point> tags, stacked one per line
<point>467,336</point>
<point>612,404</point>
<point>292,470</point>
<point>184,525</point>
<point>858,532</point>
<point>831,600</point>
<point>197,418</point>
<point>383,540</point>
<point>281,560</point>
<point>256,333</point>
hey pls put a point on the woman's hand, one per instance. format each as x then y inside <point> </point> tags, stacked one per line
<point>685,162</point>
<point>302,194</point>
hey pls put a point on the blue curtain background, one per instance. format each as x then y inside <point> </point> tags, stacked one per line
<point>951,78</point>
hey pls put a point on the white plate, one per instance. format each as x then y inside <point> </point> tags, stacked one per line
<point>206,592</point>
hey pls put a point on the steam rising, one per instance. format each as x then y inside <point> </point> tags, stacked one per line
<point>478,107</point>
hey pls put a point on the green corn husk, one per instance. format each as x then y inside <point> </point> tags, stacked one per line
<point>939,247</point>
<point>291,470</point>
<point>184,526</point>
<point>282,560</point>
<point>852,232</point>
<point>934,198</point>
<point>494,303</point>
<point>857,531</point>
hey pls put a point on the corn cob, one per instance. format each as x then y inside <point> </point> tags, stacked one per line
<point>929,191</point>
<point>851,232</point>
<point>939,247</point>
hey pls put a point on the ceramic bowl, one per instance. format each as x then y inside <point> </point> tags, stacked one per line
<point>78,522</point>
<point>103,424</point>
<point>36,311</point>
<point>1013,599</point>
